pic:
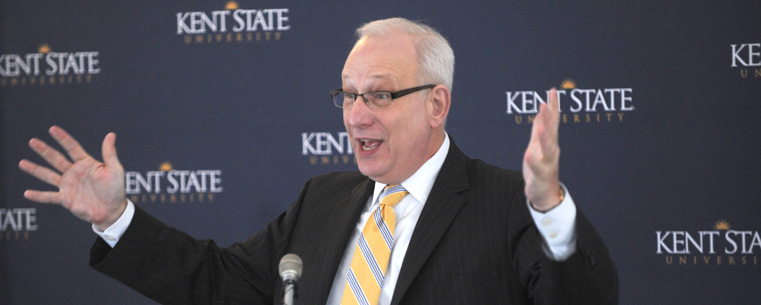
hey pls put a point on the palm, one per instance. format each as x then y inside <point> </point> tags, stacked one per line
<point>87,184</point>
<point>91,190</point>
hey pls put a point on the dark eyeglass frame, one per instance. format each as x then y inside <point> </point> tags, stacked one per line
<point>393,95</point>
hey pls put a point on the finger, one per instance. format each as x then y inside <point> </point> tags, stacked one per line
<point>109,151</point>
<point>49,154</point>
<point>42,196</point>
<point>549,121</point>
<point>549,112</point>
<point>554,113</point>
<point>553,99</point>
<point>538,125</point>
<point>72,147</point>
<point>40,172</point>
<point>546,132</point>
<point>539,131</point>
<point>532,161</point>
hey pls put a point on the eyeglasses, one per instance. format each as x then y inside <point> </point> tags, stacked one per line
<point>373,99</point>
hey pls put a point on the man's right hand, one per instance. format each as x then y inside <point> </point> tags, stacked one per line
<point>91,190</point>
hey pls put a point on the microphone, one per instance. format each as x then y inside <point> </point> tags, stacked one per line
<point>290,271</point>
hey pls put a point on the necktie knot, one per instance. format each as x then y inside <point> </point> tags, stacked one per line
<point>392,194</point>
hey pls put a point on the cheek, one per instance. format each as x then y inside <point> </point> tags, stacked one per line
<point>415,121</point>
<point>346,117</point>
<point>411,132</point>
<point>347,124</point>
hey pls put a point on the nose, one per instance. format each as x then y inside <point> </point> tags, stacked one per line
<point>359,114</point>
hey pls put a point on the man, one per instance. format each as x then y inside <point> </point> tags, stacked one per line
<point>463,231</point>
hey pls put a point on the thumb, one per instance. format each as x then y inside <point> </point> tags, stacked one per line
<point>109,151</point>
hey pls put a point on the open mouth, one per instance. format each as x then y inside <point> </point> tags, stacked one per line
<point>368,145</point>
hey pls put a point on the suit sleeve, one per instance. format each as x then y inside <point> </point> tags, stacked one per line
<point>172,267</point>
<point>586,277</point>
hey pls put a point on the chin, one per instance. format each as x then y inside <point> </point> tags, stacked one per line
<point>369,170</point>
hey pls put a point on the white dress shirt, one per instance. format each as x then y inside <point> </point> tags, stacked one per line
<point>557,226</point>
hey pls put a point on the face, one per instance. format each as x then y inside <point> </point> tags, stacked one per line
<point>391,142</point>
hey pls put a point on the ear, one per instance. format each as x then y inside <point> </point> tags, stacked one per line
<point>438,104</point>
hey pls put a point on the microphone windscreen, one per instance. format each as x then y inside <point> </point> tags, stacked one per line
<point>290,267</point>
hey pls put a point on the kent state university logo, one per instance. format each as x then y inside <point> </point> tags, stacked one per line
<point>327,148</point>
<point>47,68</point>
<point>577,105</point>
<point>746,57</point>
<point>169,185</point>
<point>17,223</point>
<point>721,246</point>
<point>233,25</point>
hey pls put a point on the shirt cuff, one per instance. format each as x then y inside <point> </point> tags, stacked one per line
<point>558,227</point>
<point>113,233</point>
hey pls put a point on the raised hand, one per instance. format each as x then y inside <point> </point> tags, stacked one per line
<point>91,190</point>
<point>540,163</point>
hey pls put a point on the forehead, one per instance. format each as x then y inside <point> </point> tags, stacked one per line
<point>390,58</point>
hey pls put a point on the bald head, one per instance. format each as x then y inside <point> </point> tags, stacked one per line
<point>435,57</point>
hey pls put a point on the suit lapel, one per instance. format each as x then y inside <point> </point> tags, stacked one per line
<point>444,202</point>
<point>342,221</point>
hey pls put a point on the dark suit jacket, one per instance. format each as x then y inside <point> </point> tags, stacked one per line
<point>475,243</point>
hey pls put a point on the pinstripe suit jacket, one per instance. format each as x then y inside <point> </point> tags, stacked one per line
<point>475,243</point>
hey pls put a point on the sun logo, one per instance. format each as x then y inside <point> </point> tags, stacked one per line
<point>721,225</point>
<point>568,84</point>
<point>165,166</point>
<point>231,5</point>
<point>44,49</point>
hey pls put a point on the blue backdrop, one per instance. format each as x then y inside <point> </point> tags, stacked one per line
<point>217,103</point>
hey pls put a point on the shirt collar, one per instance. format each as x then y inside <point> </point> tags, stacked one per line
<point>419,185</point>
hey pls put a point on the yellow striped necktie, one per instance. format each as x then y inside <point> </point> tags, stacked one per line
<point>370,260</point>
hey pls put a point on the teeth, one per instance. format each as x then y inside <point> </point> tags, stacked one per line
<point>369,144</point>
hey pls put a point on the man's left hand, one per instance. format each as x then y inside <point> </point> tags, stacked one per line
<point>540,163</point>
